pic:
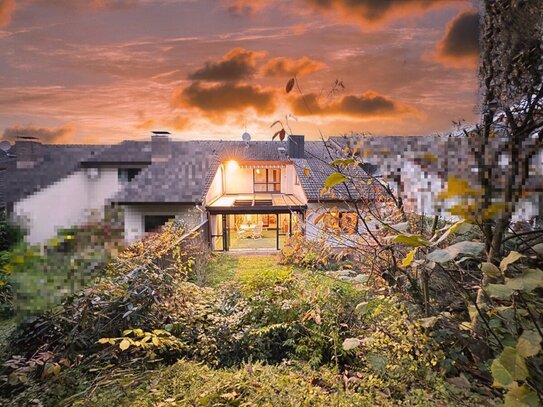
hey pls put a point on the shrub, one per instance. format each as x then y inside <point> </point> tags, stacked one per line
<point>311,254</point>
<point>10,233</point>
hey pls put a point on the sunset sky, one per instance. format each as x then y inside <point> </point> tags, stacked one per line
<point>101,71</point>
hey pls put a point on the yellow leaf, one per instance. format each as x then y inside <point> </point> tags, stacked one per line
<point>409,258</point>
<point>306,171</point>
<point>124,345</point>
<point>156,341</point>
<point>103,340</point>
<point>457,187</point>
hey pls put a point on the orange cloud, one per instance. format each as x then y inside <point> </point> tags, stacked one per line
<point>216,100</point>
<point>282,66</point>
<point>236,65</point>
<point>365,13</point>
<point>459,47</point>
<point>62,134</point>
<point>367,105</point>
<point>7,7</point>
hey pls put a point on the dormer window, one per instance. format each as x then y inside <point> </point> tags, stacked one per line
<point>267,180</point>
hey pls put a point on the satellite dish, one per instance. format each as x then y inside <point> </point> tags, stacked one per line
<point>246,137</point>
<point>5,146</point>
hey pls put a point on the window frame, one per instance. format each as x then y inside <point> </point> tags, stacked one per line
<point>270,185</point>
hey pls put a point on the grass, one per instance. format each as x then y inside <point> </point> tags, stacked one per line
<point>224,268</point>
<point>192,384</point>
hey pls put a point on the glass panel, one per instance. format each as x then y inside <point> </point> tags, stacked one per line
<point>274,187</point>
<point>274,175</point>
<point>252,232</point>
<point>260,175</point>
<point>260,188</point>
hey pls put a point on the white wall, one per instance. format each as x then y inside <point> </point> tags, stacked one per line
<point>216,188</point>
<point>134,216</point>
<point>68,202</point>
<point>238,180</point>
<point>103,188</point>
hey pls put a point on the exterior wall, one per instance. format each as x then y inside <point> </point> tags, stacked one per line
<point>134,216</point>
<point>61,205</point>
<point>103,188</point>
<point>68,202</point>
<point>216,189</point>
<point>238,180</point>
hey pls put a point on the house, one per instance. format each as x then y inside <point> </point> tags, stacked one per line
<point>419,167</point>
<point>248,195</point>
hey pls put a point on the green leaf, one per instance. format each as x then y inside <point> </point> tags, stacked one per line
<point>351,343</point>
<point>529,344</point>
<point>527,282</point>
<point>510,259</point>
<point>334,179</point>
<point>499,291</point>
<point>449,253</point>
<point>520,396</point>
<point>410,240</point>
<point>377,362</point>
<point>508,367</point>
<point>490,270</point>
<point>362,308</point>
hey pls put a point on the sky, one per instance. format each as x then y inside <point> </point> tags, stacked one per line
<point>102,71</point>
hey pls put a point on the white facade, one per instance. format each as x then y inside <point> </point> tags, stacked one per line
<point>134,217</point>
<point>68,202</point>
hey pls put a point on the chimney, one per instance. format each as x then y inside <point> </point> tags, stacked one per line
<point>27,150</point>
<point>296,146</point>
<point>161,148</point>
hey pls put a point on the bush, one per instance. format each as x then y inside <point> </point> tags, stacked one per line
<point>10,233</point>
<point>310,254</point>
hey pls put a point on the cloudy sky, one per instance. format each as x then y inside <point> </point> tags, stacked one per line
<point>99,71</point>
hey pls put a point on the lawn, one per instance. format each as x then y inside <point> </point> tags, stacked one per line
<point>224,268</point>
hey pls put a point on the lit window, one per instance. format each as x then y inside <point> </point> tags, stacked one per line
<point>267,180</point>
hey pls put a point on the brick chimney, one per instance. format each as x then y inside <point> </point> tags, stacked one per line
<point>28,153</point>
<point>296,145</point>
<point>161,146</point>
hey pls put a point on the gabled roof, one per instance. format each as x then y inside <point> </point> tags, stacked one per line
<point>127,152</point>
<point>182,179</point>
<point>187,176</point>
<point>318,156</point>
<point>53,162</point>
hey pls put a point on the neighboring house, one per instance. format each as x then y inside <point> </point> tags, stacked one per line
<point>248,194</point>
<point>418,167</point>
